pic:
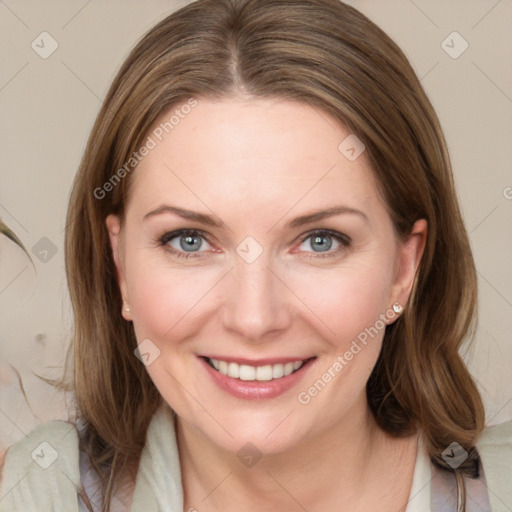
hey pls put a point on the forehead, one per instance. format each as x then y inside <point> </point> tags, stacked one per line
<point>259,154</point>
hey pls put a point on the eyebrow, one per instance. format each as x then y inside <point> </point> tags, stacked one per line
<point>203,218</point>
<point>210,220</point>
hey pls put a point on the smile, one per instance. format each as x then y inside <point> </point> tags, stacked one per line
<point>256,380</point>
<point>259,373</point>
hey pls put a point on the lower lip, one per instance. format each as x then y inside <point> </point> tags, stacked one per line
<point>256,390</point>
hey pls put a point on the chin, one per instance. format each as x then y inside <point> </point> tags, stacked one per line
<point>267,434</point>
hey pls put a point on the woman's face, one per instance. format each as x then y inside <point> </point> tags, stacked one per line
<point>227,259</point>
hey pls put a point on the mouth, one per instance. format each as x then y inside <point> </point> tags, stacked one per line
<point>262,373</point>
<point>255,380</point>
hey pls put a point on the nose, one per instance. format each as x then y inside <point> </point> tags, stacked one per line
<point>257,302</point>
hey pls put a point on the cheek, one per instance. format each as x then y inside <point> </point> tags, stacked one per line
<point>165,301</point>
<point>349,300</point>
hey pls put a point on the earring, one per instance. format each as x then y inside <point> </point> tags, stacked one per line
<point>126,307</point>
<point>398,308</point>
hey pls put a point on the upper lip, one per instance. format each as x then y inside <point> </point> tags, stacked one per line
<point>257,362</point>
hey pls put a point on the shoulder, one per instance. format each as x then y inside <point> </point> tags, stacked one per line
<point>41,470</point>
<point>495,442</point>
<point>495,448</point>
<point>43,446</point>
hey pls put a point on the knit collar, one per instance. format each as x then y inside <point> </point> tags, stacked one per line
<point>158,485</point>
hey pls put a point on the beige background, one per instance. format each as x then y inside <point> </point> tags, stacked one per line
<point>47,107</point>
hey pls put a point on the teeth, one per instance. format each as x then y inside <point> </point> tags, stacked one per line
<point>260,373</point>
<point>277,371</point>
<point>263,372</point>
<point>288,368</point>
<point>245,372</point>
<point>233,370</point>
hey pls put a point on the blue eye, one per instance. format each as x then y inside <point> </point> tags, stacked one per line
<point>323,241</point>
<point>189,242</point>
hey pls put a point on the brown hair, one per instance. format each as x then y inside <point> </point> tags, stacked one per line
<point>328,55</point>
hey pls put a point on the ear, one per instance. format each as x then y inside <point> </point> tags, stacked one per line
<point>408,261</point>
<point>113,223</point>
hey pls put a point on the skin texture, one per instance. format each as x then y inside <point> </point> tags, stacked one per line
<point>255,165</point>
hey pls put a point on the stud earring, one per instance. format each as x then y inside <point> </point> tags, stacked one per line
<point>127,308</point>
<point>398,308</point>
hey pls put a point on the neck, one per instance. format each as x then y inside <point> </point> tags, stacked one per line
<point>340,465</point>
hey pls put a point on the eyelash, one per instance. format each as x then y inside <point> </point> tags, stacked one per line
<point>163,241</point>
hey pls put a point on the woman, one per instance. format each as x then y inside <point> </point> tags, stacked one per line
<point>271,281</point>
